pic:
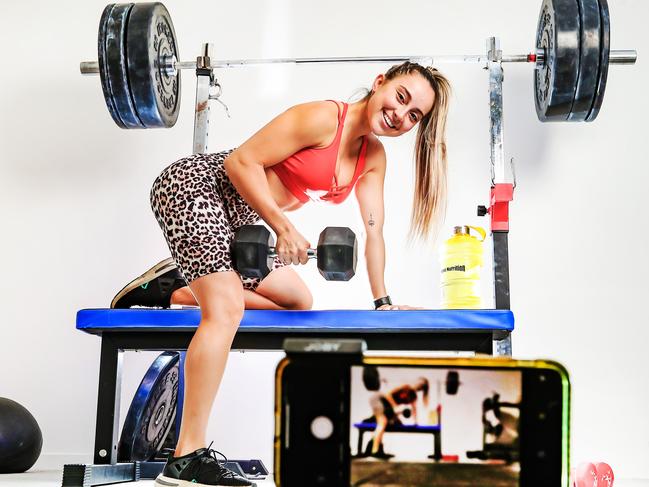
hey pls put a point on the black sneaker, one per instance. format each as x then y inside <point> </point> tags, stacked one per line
<point>199,469</point>
<point>381,455</point>
<point>152,289</point>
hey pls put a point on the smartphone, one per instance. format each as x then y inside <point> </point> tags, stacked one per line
<point>344,420</point>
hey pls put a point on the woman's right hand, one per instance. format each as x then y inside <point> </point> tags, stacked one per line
<point>291,247</point>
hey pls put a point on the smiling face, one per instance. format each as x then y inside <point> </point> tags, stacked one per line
<point>398,104</point>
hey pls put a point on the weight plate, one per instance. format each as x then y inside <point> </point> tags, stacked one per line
<point>116,65</point>
<point>151,40</point>
<point>589,55</point>
<point>152,412</point>
<point>555,80</point>
<point>605,49</point>
<point>103,69</point>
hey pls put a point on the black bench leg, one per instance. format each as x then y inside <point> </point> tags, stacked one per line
<point>110,378</point>
<point>181,392</point>
<point>437,445</point>
<point>359,450</point>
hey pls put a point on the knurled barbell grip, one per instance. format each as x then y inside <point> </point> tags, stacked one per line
<point>311,253</point>
<point>92,67</point>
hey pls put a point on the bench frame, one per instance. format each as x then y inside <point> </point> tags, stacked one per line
<point>116,340</point>
<point>113,343</point>
<point>437,441</point>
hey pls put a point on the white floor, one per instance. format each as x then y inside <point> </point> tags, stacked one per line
<point>52,478</point>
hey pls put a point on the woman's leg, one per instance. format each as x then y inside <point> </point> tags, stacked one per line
<point>381,425</point>
<point>281,289</point>
<point>284,289</point>
<point>220,296</point>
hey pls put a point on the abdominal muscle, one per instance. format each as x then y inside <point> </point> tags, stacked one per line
<point>282,196</point>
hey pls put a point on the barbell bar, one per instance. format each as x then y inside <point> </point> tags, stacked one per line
<point>622,56</point>
<point>140,68</point>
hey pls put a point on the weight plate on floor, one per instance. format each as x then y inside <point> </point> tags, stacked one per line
<point>589,55</point>
<point>117,71</point>
<point>103,68</point>
<point>605,49</point>
<point>555,80</point>
<point>151,41</point>
<point>152,412</point>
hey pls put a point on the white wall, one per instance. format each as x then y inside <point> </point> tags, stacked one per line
<point>77,226</point>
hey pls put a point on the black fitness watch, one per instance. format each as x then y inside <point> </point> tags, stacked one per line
<point>381,301</point>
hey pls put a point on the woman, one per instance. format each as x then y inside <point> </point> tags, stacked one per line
<point>388,409</point>
<point>315,151</point>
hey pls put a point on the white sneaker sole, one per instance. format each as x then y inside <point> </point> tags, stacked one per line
<point>155,271</point>
<point>162,481</point>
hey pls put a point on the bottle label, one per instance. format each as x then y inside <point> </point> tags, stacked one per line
<point>457,268</point>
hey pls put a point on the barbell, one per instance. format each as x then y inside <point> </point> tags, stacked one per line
<point>140,69</point>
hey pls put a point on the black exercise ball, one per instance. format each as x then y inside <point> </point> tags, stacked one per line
<point>20,438</point>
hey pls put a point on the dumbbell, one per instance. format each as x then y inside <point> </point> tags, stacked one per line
<point>253,251</point>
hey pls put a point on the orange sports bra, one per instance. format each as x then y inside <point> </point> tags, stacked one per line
<point>310,174</point>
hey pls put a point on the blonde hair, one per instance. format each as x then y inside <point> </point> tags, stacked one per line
<point>429,198</point>
<point>423,385</point>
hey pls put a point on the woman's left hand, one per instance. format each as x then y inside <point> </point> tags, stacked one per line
<point>390,307</point>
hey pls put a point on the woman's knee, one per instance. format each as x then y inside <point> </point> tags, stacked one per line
<point>302,300</point>
<point>220,297</point>
<point>225,321</point>
<point>381,421</point>
<point>285,288</point>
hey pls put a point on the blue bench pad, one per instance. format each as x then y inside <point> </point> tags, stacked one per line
<point>404,428</point>
<point>137,319</point>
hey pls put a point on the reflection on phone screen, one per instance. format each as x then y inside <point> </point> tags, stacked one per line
<point>421,426</point>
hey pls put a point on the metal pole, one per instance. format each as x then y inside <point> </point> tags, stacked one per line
<point>496,110</point>
<point>498,175</point>
<point>204,76</point>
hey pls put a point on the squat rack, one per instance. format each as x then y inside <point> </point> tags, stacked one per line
<point>140,73</point>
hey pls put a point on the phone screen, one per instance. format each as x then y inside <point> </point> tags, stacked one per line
<point>422,426</point>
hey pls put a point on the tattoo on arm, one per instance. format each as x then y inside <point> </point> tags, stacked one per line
<point>371,222</point>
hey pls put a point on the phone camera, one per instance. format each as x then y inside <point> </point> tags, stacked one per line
<point>322,428</point>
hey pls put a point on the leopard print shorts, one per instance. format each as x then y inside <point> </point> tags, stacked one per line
<point>199,210</point>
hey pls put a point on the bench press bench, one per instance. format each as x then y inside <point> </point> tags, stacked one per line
<point>478,331</point>
<point>435,430</point>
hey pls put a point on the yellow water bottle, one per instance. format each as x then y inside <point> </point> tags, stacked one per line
<point>462,261</point>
